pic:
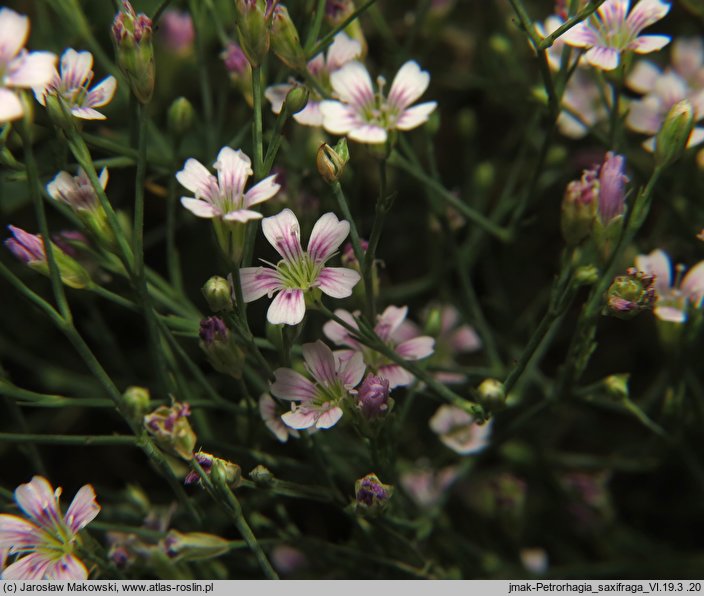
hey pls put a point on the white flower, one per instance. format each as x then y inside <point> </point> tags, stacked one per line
<point>458,430</point>
<point>19,69</point>
<point>72,86</point>
<point>366,115</point>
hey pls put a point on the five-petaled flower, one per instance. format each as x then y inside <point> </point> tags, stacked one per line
<point>613,30</point>
<point>673,298</point>
<point>393,329</point>
<point>224,197</point>
<point>342,50</point>
<point>72,86</point>
<point>47,539</point>
<point>19,69</point>
<point>320,400</point>
<point>298,271</point>
<point>367,116</point>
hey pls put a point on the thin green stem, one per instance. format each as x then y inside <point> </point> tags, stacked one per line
<point>257,135</point>
<point>315,26</point>
<point>347,214</point>
<point>582,15</point>
<point>86,440</point>
<point>205,87</point>
<point>329,37</point>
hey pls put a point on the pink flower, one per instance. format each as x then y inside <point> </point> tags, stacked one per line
<point>320,401</point>
<point>365,115</point>
<point>299,271</point>
<point>269,413</point>
<point>673,298</point>
<point>609,32</point>
<point>458,430</point>
<point>425,486</point>
<point>395,331</point>
<point>342,50</point>
<point>224,197</point>
<point>177,31</point>
<point>72,86</point>
<point>19,69</point>
<point>583,103</point>
<point>47,538</point>
<point>76,191</point>
<point>28,248</point>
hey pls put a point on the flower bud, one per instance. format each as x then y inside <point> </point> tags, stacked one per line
<point>617,386</point>
<point>253,25</point>
<point>630,294</point>
<point>136,401</point>
<point>579,208</point>
<point>262,475</point>
<point>220,347</point>
<point>373,397</point>
<point>586,275</point>
<point>132,38</point>
<point>171,430</point>
<point>29,248</point>
<point>228,471</point>
<point>296,100</point>
<point>433,321</point>
<point>371,496</point>
<point>225,473</point>
<point>492,394</point>
<point>331,162</point>
<point>672,139</point>
<point>285,42</point>
<point>218,294</point>
<point>180,117</point>
<point>194,546</point>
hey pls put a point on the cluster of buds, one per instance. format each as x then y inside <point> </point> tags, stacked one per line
<point>220,347</point>
<point>371,495</point>
<point>630,294</point>
<point>171,430</point>
<point>132,37</point>
<point>229,472</point>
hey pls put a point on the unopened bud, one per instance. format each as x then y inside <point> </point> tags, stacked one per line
<point>672,139</point>
<point>228,472</point>
<point>171,430</point>
<point>579,208</point>
<point>219,345</point>
<point>492,394</point>
<point>253,25</point>
<point>296,100</point>
<point>371,496</point>
<point>331,161</point>
<point>218,294</point>
<point>373,397</point>
<point>132,38</point>
<point>225,473</point>
<point>617,386</point>
<point>194,546</point>
<point>180,117</point>
<point>136,401</point>
<point>630,294</point>
<point>433,322</point>
<point>285,42</point>
<point>586,275</point>
<point>262,475</point>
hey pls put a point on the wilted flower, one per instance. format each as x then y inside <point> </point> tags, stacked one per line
<point>19,69</point>
<point>76,191</point>
<point>177,31</point>
<point>371,495</point>
<point>47,538</point>
<point>73,83</point>
<point>268,410</point>
<point>673,297</point>
<point>219,345</point>
<point>611,31</point>
<point>342,50</point>
<point>393,329</point>
<point>321,399</point>
<point>366,115</point>
<point>170,428</point>
<point>206,461</point>
<point>299,271</point>
<point>630,294</point>
<point>458,430</point>
<point>373,397</point>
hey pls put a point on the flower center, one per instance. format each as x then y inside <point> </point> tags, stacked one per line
<point>300,274</point>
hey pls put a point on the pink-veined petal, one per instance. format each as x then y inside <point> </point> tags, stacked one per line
<point>310,115</point>
<point>643,76</point>
<point>646,13</point>
<point>327,235</point>
<point>272,419</point>
<point>38,500</point>
<point>342,50</point>
<point>580,36</point>
<point>199,207</point>
<point>287,308</point>
<point>102,93</point>
<point>262,191</point>
<point>320,362</point>
<point>300,418</point>
<point>693,284</point>
<point>613,13</point>
<point>657,263</point>
<point>284,233</point>
<point>336,333</point>
<point>259,281</point>
<point>276,94</point>
<point>353,85</point>
<point>337,282</point>
<point>242,215</point>
<point>234,168</point>
<point>415,116</point>
<point>351,368</point>
<point>329,418</point>
<point>17,533</point>
<point>76,68</point>
<point>31,70</point>
<point>603,58</point>
<point>408,85</point>
<point>31,567</point>
<point>390,320</point>
<point>395,375</point>
<point>195,177</point>
<point>338,118</point>
<point>416,348</point>
<point>87,113</point>
<point>10,106</point>
<point>14,29</point>
<point>83,509</point>
<point>67,567</point>
<point>292,386</point>
<point>368,133</point>
<point>649,43</point>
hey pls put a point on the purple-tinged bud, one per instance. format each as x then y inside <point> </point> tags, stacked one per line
<point>177,31</point>
<point>171,430</point>
<point>337,11</point>
<point>285,42</point>
<point>371,496</point>
<point>254,28</point>
<point>132,38</point>
<point>373,397</point>
<point>220,347</point>
<point>235,59</point>
<point>28,248</point>
<point>193,546</point>
<point>612,183</point>
<point>213,329</point>
<point>579,207</point>
<point>205,461</point>
<point>630,294</point>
